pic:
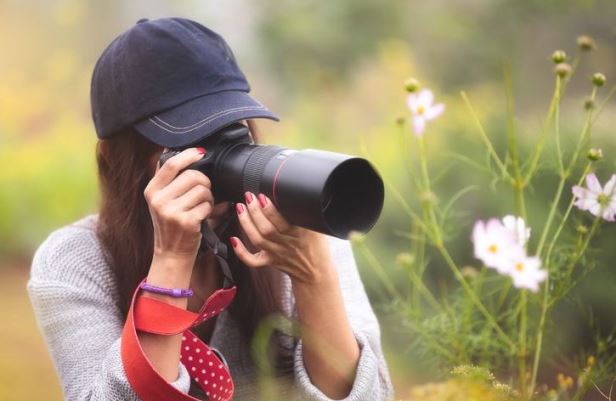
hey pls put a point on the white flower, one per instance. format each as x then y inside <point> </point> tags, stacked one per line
<point>518,227</point>
<point>500,245</point>
<point>422,109</point>
<point>526,272</point>
<point>600,201</point>
<point>495,245</point>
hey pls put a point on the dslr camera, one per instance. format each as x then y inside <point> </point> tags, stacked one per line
<point>328,192</point>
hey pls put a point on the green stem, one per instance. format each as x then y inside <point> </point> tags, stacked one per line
<point>585,132</point>
<point>380,271</point>
<point>518,182</point>
<point>484,137</point>
<point>604,103</point>
<point>559,153</point>
<point>551,213</point>
<point>427,194</point>
<point>534,160</point>
<point>565,174</point>
<point>546,288</point>
<point>566,216</point>
<point>582,249</point>
<point>469,291</point>
<point>522,347</point>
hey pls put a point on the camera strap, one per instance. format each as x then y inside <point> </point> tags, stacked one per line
<point>205,366</point>
<point>210,240</point>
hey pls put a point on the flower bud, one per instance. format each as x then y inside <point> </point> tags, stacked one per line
<point>405,259</point>
<point>595,154</point>
<point>469,272</point>
<point>562,69</point>
<point>581,229</point>
<point>590,361</point>
<point>559,56</point>
<point>598,79</point>
<point>585,43</point>
<point>411,85</point>
<point>400,120</point>
<point>356,237</point>
<point>589,104</point>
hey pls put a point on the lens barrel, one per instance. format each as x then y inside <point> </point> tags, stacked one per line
<point>328,192</point>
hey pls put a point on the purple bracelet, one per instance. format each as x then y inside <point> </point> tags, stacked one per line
<point>173,292</point>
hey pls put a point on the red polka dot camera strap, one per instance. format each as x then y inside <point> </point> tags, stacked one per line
<point>204,366</point>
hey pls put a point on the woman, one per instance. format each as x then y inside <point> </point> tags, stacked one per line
<point>170,83</point>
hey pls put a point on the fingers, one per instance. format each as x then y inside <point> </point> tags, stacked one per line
<point>200,212</point>
<point>165,174</point>
<point>253,234</point>
<point>259,259</point>
<point>185,182</point>
<point>268,209</point>
<point>195,196</point>
<point>262,224</point>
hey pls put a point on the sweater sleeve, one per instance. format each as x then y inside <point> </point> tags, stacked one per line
<point>372,381</point>
<point>74,300</point>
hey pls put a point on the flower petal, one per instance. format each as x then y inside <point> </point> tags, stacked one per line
<point>610,187</point>
<point>419,125</point>
<point>585,198</point>
<point>595,208</point>
<point>412,101</point>
<point>426,98</point>
<point>593,184</point>
<point>435,111</point>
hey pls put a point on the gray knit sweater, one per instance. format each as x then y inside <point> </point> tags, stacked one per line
<point>74,297</point>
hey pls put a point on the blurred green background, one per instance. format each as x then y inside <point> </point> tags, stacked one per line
<point>334,72</point>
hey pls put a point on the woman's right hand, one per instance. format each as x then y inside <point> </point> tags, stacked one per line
<point>178,203</point>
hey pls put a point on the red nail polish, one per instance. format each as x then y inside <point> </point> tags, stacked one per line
<point>262,200</point>
<point>239,208</point>
<point>233,241</point>
<point>201,150</point>
<point>248,197</point>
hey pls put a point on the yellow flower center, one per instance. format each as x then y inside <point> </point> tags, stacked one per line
<point>493,248</point>
<point>519,267</point>
<point>421,109</point>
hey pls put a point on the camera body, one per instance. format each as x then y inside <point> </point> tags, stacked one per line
<point>332,193</point>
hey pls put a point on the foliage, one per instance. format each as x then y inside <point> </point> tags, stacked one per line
<point>488,319</point>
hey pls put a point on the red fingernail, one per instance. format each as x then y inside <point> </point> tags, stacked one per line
<point>239,208</point>
<point>262,200</point>
<point>201,150</point>
<point>248,197</point>
<point>233,241</point>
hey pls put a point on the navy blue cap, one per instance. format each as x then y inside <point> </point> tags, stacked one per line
<point>174,80</point>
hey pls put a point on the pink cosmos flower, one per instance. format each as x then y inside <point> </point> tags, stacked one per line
<point>499,244</point>
<point>422,109</point>
<point>526,272</point>
<point>598,200</point>
<point>495,245</point>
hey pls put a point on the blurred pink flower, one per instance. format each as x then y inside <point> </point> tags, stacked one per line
<point>422,109</point>
<point>600,201</point>
<point>518,227</point>
<point>526,272</point>
<point>495,245</point>
<point>499,244</point>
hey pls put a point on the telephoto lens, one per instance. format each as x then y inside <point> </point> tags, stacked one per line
<point>332,193</point>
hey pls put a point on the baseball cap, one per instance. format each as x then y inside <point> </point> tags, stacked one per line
<point>174,80</point>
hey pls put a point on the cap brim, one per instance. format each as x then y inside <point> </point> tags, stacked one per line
<point>194,120</point>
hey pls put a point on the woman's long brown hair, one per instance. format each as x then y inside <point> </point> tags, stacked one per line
<point>126,233</point>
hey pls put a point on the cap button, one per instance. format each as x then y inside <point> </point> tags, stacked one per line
<point>142,20</point>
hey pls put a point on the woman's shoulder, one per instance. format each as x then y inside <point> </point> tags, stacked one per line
<point>72,255</point>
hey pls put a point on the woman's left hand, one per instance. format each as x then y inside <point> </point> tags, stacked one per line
<point>301,253</point>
